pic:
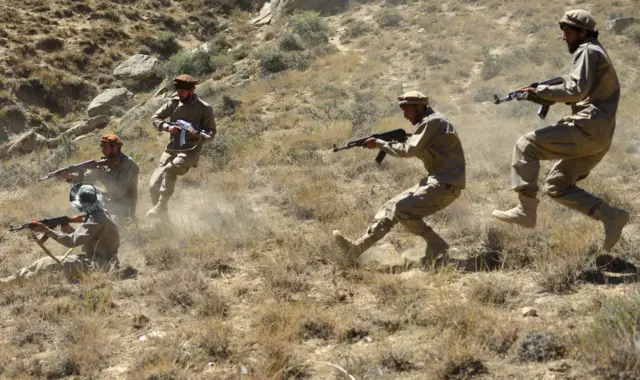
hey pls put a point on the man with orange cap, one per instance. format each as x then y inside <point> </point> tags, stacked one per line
<point>185,109</point>
<point>579,141</point>
<point>435,143</point>
<point>119,178</point>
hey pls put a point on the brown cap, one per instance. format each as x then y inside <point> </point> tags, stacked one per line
<point>185,82</point>
<point>111,139</point>
<point>578,18</point>
<point>413,97</point>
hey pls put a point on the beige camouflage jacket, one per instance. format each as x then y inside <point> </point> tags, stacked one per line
<point>120,186</point>
<point>98,236</point>
<point>592,89</point>
<point>437,145</point>
<point>197,112</point>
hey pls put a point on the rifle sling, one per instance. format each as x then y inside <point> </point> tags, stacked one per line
<point>40,242</point>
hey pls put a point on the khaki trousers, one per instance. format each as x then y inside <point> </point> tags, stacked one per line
<point>577,155</point>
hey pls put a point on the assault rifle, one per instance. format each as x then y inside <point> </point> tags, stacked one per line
<point>50,222</point>
<point>90,164</point>
<point>397,135</point>
<point>186,127</point>
<point>522,95</point>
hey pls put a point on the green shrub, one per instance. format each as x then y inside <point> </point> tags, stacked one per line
<point>356,29</point>
<point>195,63</point>
<point>273,61</point>
<point>290,42</point>
<point>491,64</point>
<point>165,44</point>
<point>241,52</point>
<point>310,26</point>
<point>389,18</point>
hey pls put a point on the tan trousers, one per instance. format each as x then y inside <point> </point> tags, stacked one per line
<point>578,155</point>
<point>71,267</point>
<point>409,207</point>
<point>163,179</point>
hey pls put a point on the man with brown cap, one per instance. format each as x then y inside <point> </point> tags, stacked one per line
<point>119,178</point>
<point>185,108</point>
<point>578,141</point>
<point>435,143</point>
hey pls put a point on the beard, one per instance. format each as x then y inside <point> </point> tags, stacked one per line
<point>574,46</point>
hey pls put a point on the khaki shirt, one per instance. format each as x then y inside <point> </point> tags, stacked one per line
<point>436,143</point>
<point>592,89</point>
<point>98,236</point>
<point>120,186</point>
<point>198,113</point>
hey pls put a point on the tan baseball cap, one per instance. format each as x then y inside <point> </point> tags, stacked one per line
<point>413,97</point>
<point>578,18</point>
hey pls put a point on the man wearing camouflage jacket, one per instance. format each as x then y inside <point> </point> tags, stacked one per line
<point>178,159</point>
<point>578,141</point>
<point>435,143</point>
<point>119,178</point>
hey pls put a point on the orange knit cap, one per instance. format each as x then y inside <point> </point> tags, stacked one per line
<point>111,139</point>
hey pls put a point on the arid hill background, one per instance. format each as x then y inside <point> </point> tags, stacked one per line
<point>247,282</point>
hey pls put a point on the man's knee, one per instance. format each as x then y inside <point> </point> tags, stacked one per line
<point>524,144</point>
<point>405,209</point>
<point>557,185</point>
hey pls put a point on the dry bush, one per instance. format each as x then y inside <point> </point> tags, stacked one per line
<point>611,340</point>
<point>462,367</point>
<point>493,290</point>
<point>540,347</point>
<point>472,322</point>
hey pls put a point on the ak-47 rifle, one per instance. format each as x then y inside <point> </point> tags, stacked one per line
<point>523,95</point>
<point>90,164</point>
<point>186,127</point>
<point>397,135</point>
<point>50,222</point>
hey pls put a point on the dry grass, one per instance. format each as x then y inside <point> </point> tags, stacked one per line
<point>248,281</point>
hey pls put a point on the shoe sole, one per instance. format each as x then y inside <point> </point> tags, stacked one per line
<point>513,221</point>
<point>620,222</point>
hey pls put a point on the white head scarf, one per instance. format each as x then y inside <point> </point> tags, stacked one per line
<point>86,198</point>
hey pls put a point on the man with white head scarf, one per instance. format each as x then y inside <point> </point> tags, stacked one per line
<point>97,235</point>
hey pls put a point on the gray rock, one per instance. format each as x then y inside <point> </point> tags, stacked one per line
<point>83,127</point>
<point>144,110</point>
<point>620,24</point>
<point>26,143</point>
<point>559,366</point>
<point>80,128</point>
<point>105,102</point>
<point>529,312</point>
<point>137,67</point>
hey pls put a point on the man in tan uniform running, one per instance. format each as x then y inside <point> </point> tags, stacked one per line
<point>119,178</point>
<point>437,145</point>
<point>579,141</point>
<point>178,159</point>
<point>98,235</point>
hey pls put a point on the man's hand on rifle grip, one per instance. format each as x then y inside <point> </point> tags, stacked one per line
<point>39,227</point>
<point>67,229</point>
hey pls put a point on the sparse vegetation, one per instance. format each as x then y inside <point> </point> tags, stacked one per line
<point>247,281</point>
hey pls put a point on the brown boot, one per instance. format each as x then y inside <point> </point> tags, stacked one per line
<point>614,220</point>
<point>437,247</point>
<point>351,248</point>
<point>523,215</point>
<point>160,210</point>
